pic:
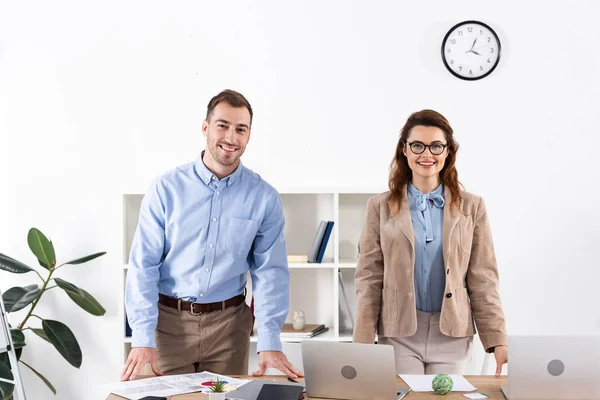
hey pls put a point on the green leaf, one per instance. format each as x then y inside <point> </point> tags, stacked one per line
<point>42,377</point>
<point>41,333</point>
<point>63,340</point>
<point>11,265</point>
<point>42,248</point>
<point>86,258</point>
<point>19,352</point>
<point>17,298</point>
<point>6,389</point>
<point>81,297</point>
<point>18,337</point>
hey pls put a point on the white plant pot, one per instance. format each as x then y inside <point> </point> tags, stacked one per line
<point>216,396</point>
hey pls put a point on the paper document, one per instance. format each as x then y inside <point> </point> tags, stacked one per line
<point>475,396</point>
<point>422,383</point>
<point>169,385</point>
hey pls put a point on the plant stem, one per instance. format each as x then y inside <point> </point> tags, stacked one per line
<point>22,324</point>
<point>51,287</point>
<point>37,316</point>
<point>38,274</point>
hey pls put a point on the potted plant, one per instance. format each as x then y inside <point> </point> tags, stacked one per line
<point>217,391</point>
<point>54,332</point>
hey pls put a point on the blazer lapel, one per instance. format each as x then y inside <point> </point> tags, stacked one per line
<point>451,218</point>
<point>403,219</point>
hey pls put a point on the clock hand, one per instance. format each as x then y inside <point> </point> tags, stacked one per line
<point>473,51</point>
<point>473,45</point>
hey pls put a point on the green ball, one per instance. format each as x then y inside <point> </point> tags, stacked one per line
<point>442,384</point>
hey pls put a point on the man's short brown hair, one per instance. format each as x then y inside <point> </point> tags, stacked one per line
<point>231,97</point>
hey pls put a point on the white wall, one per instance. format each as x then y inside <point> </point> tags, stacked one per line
<point>96,98</point>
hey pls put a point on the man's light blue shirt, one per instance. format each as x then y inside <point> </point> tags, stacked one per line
<point>427,215</point>
<point>197,238</point>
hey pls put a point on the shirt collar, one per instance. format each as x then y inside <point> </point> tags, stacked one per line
<point>412,189</point>
<point>206,175</point>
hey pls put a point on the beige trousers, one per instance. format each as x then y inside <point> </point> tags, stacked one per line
<point>218,342</point>
<point>429,351</point>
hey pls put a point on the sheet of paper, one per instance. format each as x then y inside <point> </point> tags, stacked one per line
<point>169,385</point>
<point>422,383</point>
<point>475,396</point>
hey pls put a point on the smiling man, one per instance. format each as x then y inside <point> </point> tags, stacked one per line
<point>202,227</point>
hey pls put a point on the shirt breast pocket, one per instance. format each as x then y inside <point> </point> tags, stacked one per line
<point>239,234</point>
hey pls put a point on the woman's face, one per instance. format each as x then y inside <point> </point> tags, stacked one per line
<point>426,151</point>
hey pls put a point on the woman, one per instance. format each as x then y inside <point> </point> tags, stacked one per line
<point>426,266</point>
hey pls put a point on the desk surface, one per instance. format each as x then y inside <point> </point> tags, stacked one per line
<point>489,385</point>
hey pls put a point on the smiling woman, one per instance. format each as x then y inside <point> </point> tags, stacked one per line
<point>429,230</point>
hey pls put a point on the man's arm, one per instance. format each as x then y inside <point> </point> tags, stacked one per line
<point>141,290</point>
<point>270,277</point>
<point>271,289</point>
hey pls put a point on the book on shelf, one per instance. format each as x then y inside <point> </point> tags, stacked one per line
<point>328,230</point>
<point>308,331</point>
<point>297,258</point>
<point>314,252</point>
<point>128,332</point>
<point>320,243</point>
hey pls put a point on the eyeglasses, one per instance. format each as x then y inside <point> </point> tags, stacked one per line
<point>435,148</point>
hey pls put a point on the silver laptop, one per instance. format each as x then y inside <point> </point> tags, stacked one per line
<point>553,367</point>
<point>350,371</point>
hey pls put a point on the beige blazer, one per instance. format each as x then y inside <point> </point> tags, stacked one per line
<point>384,275</point>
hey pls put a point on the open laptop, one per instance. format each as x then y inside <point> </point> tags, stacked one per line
<point>553,367</point>
<point>350,371</point>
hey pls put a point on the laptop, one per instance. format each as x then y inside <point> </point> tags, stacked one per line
<point>553,367</point>
<point>350,371</point>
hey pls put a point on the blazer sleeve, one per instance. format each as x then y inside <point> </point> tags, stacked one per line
<point>482,284</point>
<point>368,278</point>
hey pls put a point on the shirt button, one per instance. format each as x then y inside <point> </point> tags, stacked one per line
<point>217,192</point>
<point>207,269</point>
<point>214,220</point>
<point>201,294</point>
<point>211,245</point>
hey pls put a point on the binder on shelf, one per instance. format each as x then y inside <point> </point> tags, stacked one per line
<point>128,332</point>
<point>325,240</point>
<point>314,252</point>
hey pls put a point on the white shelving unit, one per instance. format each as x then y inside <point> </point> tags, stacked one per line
<point>314,288</point>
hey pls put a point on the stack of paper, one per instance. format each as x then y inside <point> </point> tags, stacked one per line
<point>170,385</point>
<point>309,331</point>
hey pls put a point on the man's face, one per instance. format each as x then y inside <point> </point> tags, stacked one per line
<point>227,133</point>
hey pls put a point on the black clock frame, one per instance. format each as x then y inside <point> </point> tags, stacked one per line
<point>446,39</point>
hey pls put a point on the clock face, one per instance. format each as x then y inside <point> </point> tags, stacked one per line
<point>471,50</point>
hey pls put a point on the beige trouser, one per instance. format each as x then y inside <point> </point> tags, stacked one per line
<point>429,351</point>
<point>218,342</point>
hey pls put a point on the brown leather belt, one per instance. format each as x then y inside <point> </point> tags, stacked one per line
<point>200,308</point>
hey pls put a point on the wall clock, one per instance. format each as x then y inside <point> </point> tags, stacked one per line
<point>471,50</point>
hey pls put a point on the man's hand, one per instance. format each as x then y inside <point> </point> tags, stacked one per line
<point>501,354</point>
<point>278,360</point>
<point>138,357</point>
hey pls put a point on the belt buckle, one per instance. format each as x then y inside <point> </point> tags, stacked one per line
<point>192,309</point>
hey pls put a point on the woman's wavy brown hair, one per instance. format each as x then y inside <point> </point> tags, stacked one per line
<point>400,172</point>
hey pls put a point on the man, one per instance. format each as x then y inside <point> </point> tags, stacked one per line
<point>201,227</point>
